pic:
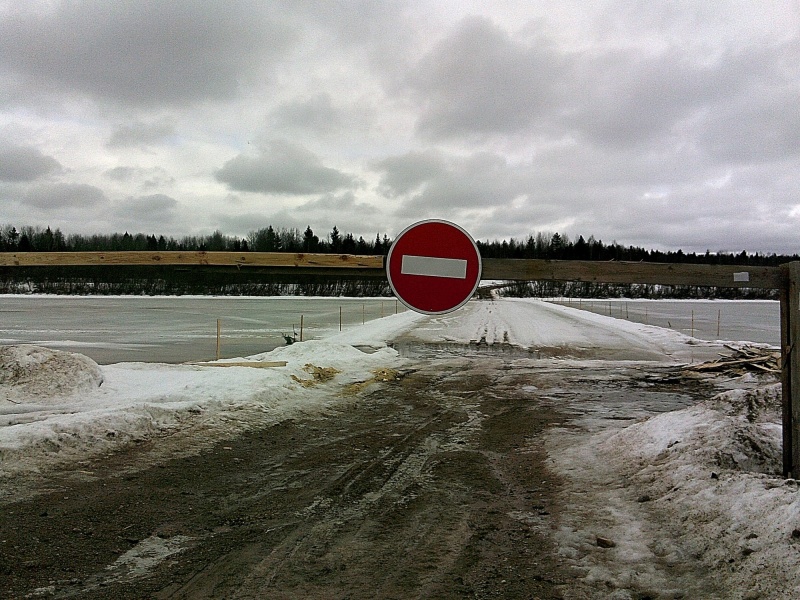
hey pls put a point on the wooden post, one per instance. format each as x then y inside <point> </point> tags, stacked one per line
<point>719,318</point>
<point>340,318</point>
<point>219,328</point>
<point>301,328</point>
<point>692,323</point>
<point>790,368</point>
<point>363,313</point>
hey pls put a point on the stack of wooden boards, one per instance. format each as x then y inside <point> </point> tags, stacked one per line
<point>743,359</point>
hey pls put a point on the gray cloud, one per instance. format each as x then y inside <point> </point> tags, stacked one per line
<point>345,201</point>
<point>481,180</point>
<point>155,210</point>
<point>64,195</point>
<point>121,173</point>
<point>406,173</point>
<point>321,214</point>
<point>144,54</point>
<point>629,98</point>
<point>140,134</point>
<point>282,168</point>
<point>316,114</point>
<point>758,127</point>
<point>433,183</point>
<point>143,177</point>
<point>481,81</point>
<point>25,163</point>
<point>155,213</point>
<point>342,210</point>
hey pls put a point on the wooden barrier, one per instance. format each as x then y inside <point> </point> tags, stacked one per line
<point>785,278</point>
<point>206,259</point>
<point>633,272</point>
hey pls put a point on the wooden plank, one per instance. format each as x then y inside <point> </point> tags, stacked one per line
<point>724,364</point>
<point>237,259</point>
<point>252,364</point>
<point>632,272</point>
<point>338,272</point>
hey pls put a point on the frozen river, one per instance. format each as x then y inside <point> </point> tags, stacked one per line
<point>178,329</point>
<point>113,329</point>
<point>730,320</point>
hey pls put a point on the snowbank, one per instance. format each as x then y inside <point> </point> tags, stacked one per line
<point>699,486</point>
<point>41,376</point>
<point>379,332</point>
<point>138,401</point>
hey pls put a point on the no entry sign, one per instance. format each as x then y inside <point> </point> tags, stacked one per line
<point>433,267</point>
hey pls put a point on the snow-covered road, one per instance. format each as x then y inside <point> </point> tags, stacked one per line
<point>550,328</point>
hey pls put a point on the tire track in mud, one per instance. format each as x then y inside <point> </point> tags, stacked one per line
<point>400,524</point>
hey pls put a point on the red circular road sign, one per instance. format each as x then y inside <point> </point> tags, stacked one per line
<point>433,267</point>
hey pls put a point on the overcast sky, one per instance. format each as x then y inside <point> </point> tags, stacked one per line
<point>668,125</point>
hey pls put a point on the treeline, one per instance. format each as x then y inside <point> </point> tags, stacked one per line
<point>267,239</point>
<point>556,246</point>
<point>178,281</point>
<point>588,289</point>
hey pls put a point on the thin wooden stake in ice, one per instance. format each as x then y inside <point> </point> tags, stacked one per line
<point>434,267</point>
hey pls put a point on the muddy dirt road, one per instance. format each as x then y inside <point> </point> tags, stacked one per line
<point>432,485</point>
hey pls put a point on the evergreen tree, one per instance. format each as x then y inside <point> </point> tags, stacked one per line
<point>310,241</point>
<point>336,240</point>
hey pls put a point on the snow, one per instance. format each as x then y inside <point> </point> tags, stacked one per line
<point>30,372</point>
<point>708,477</point>
<point>697,488</point>
<point>137,401</point>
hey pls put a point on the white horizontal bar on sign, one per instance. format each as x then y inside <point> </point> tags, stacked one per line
<point>430,266</point>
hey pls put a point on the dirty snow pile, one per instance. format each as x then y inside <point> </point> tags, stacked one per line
<point>699,486</point>
<point>53,407</point>
<point>42,375</point>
